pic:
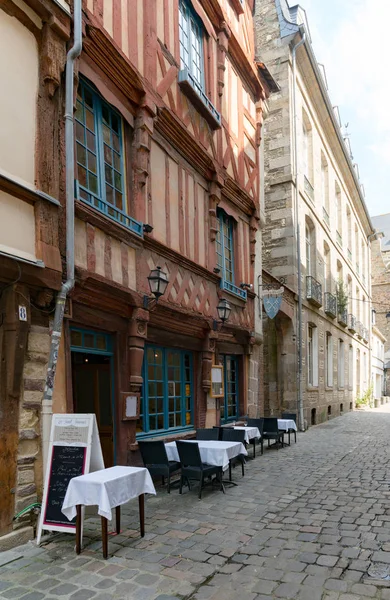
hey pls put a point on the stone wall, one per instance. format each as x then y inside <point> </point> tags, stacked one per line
<point>381,295</point>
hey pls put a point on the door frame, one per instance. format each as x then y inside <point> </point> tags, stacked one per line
<point>109,352</point>
<point>238,383</point>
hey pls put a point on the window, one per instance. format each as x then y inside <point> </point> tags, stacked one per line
<point>357,249</point>
<point>324,183</point>
<point>341,367</point>
<point>312,355</point>
<point>310,247</point>
<point>350,367</point>
<point>100,157</point>
<point>349,226</point>
<point>191,44</point>
<point>327,270</point>
<point>225,254</point>
<point>329,360</point>
<point>167,394</point>
<point>229,408</point>
<point>339,215</point>
<point>307,150</point>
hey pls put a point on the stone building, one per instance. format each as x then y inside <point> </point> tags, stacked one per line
<point>33,38</point>
<point>378,341</point>
<point>313,192</point>
<point>380,268</point>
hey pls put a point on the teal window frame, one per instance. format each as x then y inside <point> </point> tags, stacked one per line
<point>225,254</point>
<point>228,386</point>
<point>148,419</point>
<point>99,153</point>
<point>190,31</point>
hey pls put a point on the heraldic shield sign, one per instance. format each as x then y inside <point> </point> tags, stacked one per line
<point>272,305</point>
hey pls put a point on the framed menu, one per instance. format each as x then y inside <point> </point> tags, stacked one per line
<point>217,385</point>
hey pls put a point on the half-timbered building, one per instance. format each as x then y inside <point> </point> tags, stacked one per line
<point>167,130</point>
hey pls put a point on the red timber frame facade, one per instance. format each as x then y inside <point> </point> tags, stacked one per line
<point>183,168</point>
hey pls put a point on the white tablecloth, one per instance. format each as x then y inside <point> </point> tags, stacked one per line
<point>212,453</point>
<point>250,432</point>
<point>286,424</point>
<point>106,489</point>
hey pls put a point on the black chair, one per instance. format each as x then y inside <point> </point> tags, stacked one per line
<point>207,434</point>
<point>220,430</point>
<point>235,435</point>
<point>259,423</point>
<point>193,468</point>
<point>271,431</point>
<point>156,460</point>
<point>293,417</point>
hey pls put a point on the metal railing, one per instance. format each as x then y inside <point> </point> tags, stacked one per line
<point>325,215</point>
<point>330,305</point>
<point>233,289</point>
<point>359,328</point>
<point>113,213</point>
<point>313,291</point>
<point>357,268</point>
<point>349,253</point>
<point>309,188</point>
<point>339,239</point>
<point>342,317</point>
<point>352,323</point>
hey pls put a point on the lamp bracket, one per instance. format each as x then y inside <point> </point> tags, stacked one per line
<point>149,303</point>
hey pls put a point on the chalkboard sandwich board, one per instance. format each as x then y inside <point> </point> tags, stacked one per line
<point>66,462</point>
<point>74,450</point>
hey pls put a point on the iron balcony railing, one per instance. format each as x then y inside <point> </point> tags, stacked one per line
<point>357,268</point>
<point>325,215</point>
<point>365,334</point>
<point>364,279</point>
<point>352,323</point>
<point>233,289</point>
<point>313,291</point>
<point>342,317</point>
<point>309,188</point>
<point>349,255</point>
<point>339,239</point>
<point>330,305</point>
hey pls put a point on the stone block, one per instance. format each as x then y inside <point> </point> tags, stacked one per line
<point>16,538</point>
<point>25,476</point>
<point>39,342</point>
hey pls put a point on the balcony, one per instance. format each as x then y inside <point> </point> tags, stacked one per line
<point>195,93</point>
<point>309,188</point>
<point>325,216</point>
<point>342,318</point>
<point>349,253</point>
<point>364,279</point>
<point>359,329</point>
<point>313,291</point>
<point>357,268</point>
<point>110,211</point>
<point>352,323</point>
<point>339,239</point>
<point>233,289</point>
<point>330,305</point>
<point>365,334</point>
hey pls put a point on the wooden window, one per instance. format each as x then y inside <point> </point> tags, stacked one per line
<point>100,157</point>
<point>341,364</point>
<point>312,355</point>
<point>167,395</point>
<point>225,254</point>
<point>191,42</point>
<point>329,360</point>
<point>229,408</point>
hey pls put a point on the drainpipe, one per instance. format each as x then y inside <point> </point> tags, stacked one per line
<point>47,403</point>
<point>298,234</point>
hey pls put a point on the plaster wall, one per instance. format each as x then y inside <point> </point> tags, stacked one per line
<point>17,226</point>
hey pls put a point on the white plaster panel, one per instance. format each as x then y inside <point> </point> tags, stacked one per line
<point>17,227</point>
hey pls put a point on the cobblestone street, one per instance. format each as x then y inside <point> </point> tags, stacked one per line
<point>310,521</point>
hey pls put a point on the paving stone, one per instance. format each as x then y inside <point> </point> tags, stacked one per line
<point>14,592</point>
<point>263,586</point>
<point>63,590</point>
<point>336,585</point>
<point>33,596</point>
<point>287,590</point>
<point>327,561</point>
<point>82,595</point>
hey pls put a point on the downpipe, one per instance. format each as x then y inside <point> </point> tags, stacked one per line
<point>67,286</point>
<point>298,237</point>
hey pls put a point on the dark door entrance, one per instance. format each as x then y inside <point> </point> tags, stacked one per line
<point>229,407</point>
<point>93,387</point>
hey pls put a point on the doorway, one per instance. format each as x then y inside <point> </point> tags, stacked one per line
<point>92,382</point>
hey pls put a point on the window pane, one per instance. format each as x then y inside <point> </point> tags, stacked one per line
<point>81,155</point>
<point>90,120</point>
<point>76,338</point>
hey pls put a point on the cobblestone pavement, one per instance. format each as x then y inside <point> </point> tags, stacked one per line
<point>310,521</point>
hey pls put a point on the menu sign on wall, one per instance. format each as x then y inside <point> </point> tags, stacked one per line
<point>74,450</point>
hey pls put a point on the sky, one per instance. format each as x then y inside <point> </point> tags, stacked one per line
<point>351,38</point>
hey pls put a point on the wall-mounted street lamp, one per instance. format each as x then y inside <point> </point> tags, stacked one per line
<point>224,310</point>
<point>158,281</point>
<point>147,228</point>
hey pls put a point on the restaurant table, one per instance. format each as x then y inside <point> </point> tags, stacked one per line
<point>286,424</point>
<point>108,489</point>
<point>212,452</point>
<point>250,432</point>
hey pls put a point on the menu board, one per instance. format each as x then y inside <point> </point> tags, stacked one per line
<point>74,450</point>
<point>66,462</point>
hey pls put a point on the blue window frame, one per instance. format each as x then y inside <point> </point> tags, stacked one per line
<point>100,157</point>
<point>167,393</point>
<point>230,406</point>
<point>225,254</point>
<point>191,43</point>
